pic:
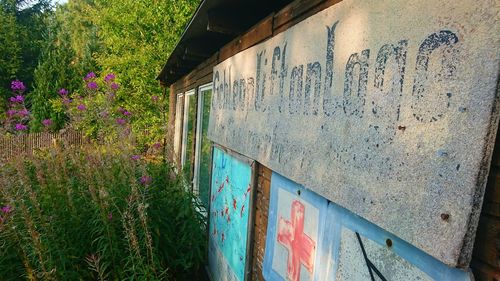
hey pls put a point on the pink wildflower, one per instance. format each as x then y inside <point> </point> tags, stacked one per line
<point>63,92</point>
<point>6,209</point>
<point>21,127</point>
<point>11,112</point>
<point>17,85</point>
<point>23,112</point>
<point>109,77</point>
<point>145,180</point>
<point>67,101</point>
<point>17,99</point>
<point>47,122</point>
<point>90,75</point>
<point>92,85</point>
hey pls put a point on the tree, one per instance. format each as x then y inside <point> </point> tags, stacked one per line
<point>10,52</point>
<point>31,18</point>
<point>137,38</point>
<point>57,70</point>
<point>23,25</point>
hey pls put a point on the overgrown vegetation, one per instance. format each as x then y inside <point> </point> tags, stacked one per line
<point>98,213</point>
<point>107,211</point>
<point>112,210</point>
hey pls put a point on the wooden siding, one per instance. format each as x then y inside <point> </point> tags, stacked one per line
<point>486,256</point>
<point>260,221</point>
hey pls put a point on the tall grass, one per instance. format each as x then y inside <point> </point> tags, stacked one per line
<point>97,213</point>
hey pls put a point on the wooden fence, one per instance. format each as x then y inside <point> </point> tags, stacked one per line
<point>12,146</point>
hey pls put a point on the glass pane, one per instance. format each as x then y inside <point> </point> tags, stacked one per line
<point>191,125</point>
<point>204,181</point>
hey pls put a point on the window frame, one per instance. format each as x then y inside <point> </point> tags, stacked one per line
<point>185,125</point>
<point>198,135</point>
<point>179,116</point>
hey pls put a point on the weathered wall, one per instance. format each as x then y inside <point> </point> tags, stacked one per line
<point>366,105</point>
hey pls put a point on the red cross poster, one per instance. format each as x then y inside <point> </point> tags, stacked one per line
<point>295,229</point>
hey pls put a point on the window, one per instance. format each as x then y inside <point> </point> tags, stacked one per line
<point>188,133</point>
<point>201,180</point>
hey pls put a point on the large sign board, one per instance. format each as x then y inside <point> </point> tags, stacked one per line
<point>230,209</point>
<point>387,108</point>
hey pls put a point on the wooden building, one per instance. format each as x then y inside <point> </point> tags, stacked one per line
<point>291,96</point>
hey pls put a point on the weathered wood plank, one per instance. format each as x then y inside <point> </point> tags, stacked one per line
<point>256,34</point>
<point>495,159</point>
<point>492,193</point>
<point>297,11</point>
<point>202,74</point>
<point>294,10</point>
<point>261,215</point>
<point>491,208</point>
<point>484,272</point>
<point>487,235</point>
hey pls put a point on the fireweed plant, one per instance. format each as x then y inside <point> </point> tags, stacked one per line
<point>100,111</point>
<point>96,110</point>
<point>102,211</point>
<point>97,213</point>
<point>17,115</point>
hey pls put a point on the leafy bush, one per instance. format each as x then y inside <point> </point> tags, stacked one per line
<point>97,213</point>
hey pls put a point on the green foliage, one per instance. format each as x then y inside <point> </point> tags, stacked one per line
<point>10,51</point>
<point>96,214</point>
<point>21,39</point>
<point>130,38</point>
<point>137,37</point>
<point>49,77</point>
<point>31,19</point>
<point>76,19</point>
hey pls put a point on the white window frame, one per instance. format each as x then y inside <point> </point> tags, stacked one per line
<point>178,125</point>
<point>199,133</point>
<point>185,125</point>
